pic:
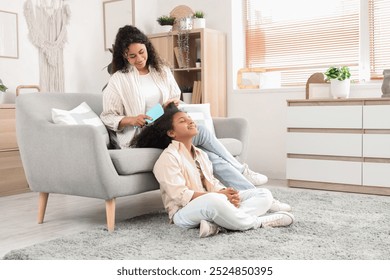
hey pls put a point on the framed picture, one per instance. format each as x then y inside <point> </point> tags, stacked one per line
<point>9,45</point>
<point>249,78</point>
<point>116,13</point>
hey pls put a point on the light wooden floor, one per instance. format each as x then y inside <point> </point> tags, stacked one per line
<point>64,215</point>
<point>67,215</point>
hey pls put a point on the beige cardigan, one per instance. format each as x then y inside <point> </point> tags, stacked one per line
<point>122,97</point>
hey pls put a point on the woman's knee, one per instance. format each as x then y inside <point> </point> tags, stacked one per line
<point>202,129</point>
<point>204,135</point>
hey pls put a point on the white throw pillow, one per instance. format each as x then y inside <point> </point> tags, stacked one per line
<point>200,113</point>
<point>82,114</point>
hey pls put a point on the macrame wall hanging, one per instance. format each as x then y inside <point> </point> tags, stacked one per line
<point>47,31</point>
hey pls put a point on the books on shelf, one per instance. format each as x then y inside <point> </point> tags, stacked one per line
<point>179,57</point>
<point>197,93</point>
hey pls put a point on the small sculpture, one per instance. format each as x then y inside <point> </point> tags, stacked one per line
<point>386,83</point>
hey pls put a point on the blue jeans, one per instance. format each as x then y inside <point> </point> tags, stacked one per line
<point>227,169</point>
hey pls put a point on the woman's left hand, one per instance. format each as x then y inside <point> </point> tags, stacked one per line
<point>176,101</point>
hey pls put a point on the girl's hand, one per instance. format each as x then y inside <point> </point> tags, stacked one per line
<point>232,195</point>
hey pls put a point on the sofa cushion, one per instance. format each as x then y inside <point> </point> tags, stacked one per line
<point>82,114</point>
<point>138,160</point>
<point>234,146</point>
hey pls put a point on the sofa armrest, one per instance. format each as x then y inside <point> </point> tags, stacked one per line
<point>236,128</point>
<point>68,159</point>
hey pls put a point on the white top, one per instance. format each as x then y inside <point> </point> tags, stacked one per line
<point>149,88</point>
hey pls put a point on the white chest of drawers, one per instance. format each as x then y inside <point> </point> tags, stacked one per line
<point>339,145</point>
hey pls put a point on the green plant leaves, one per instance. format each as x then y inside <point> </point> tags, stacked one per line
<point>339,73</point>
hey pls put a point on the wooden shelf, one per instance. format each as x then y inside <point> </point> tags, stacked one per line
<point>210,47</point>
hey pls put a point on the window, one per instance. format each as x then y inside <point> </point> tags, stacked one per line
<point>379,26</point>
<point>301,37</point>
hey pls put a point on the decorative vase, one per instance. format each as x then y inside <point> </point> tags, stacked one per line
<point>199,23</point>
<point>185,23</point>
<point>386,83</point>
<point>340,89</point>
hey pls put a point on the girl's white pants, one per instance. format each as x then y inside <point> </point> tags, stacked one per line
<point>215,207</point>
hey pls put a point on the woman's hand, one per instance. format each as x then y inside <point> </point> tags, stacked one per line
<point>232,195</point>
<point>139,121</point>
<point>174,100</point>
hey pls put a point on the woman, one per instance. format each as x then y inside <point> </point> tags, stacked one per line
<point>140,80</point>
<point>192,196</point>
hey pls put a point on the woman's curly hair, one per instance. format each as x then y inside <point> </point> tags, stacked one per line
<point>126,36</point>
<point>155,135</point>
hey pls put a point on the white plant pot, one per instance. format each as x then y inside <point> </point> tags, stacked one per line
<point>199,23</point>
<point>340,89</point>
<point>187,97</point>
<point>164,28</point>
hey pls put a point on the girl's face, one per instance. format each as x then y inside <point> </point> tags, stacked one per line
<point>137,55</point>
<point>184,127</point>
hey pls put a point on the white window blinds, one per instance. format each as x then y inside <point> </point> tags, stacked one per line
<point>302,37</point>
<point>379,21</point>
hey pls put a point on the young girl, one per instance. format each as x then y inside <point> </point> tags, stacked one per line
<point>192,196</point>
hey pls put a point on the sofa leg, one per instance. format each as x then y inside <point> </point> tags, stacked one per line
<point>110,214</point>
<point>43,197</point>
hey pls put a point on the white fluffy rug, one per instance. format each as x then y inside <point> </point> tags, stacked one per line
<point>329,225</point>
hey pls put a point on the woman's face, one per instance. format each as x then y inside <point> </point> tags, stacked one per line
<point>137,55</point>
<point>184,127</point>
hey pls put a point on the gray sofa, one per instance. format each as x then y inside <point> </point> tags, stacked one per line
<point>74,159</point>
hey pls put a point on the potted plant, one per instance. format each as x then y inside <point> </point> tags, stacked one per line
<point>340,83</point>
<point>186,92</point>
<point>166,23</point>
<point>3,88</point>
<point>198,63</point>
<point>198,20</point>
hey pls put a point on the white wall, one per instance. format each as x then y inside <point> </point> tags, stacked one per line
<point>216,12</point>
<point>23,70</point>
<point>84,55</point>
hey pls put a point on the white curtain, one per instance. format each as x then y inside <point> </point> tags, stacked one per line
<point>47,31</point>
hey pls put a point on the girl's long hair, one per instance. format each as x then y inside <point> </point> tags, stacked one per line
<point>126,36</point>
<point>155,135</point>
